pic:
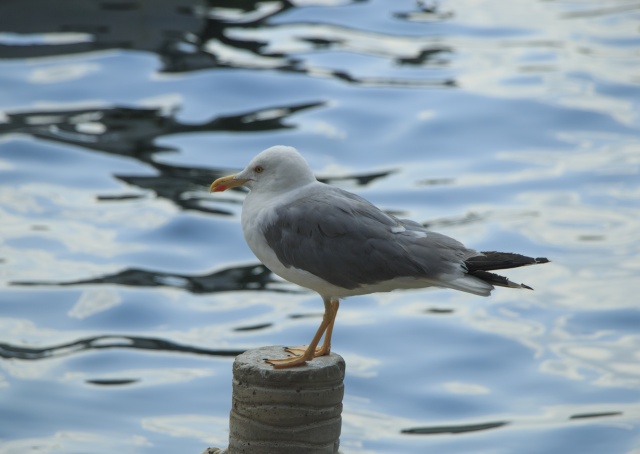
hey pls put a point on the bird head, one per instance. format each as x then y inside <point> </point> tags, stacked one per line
<point>275,169</point>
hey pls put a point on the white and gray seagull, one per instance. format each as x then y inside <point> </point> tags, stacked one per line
<point>338,244</point>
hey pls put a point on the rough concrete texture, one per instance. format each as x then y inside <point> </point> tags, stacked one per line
<point>285,411</point>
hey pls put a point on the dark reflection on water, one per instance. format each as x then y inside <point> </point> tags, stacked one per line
<point>360,180</point>
<point>184,186</point>
<point>476,218</point>
<point>132,132</point>
<point>254,327</point>
<point>190,35</point>
<point>12,351</point>
<point>465,428</point>
<point>251,277</point>
<point>426,12</point>
<point>112,382</point>
<point>596,415</point>
<point>599,10</point>
<point>454,429</point>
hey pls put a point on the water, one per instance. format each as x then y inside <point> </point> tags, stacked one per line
<point>127,289</point>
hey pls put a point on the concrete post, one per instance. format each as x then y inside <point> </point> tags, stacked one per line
<point>285,411</point>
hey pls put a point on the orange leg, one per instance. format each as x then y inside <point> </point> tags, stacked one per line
<point>304,354</point>
<point>325,349</point>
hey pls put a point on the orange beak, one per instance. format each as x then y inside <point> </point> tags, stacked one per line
<point>224,183</point>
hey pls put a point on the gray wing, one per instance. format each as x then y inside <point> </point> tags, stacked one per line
<point>347,241</point>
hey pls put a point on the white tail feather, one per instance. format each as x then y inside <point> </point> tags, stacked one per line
<point>469,284</point>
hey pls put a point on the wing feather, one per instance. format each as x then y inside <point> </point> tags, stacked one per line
<point>347,241</point>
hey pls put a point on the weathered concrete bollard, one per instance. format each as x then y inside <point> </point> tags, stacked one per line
<point>285,411</point>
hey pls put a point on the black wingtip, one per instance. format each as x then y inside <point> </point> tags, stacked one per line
<point>492,260</point>
<point>526,286</point>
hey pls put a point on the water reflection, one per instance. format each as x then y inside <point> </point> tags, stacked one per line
<point>589,10</point>
<point>250,277</point>
<point>132,132</point>
<point>13,351</point>
<point>425,12</point>
<point>475,427</point>
<point>75,441</point>
<point>112,381</point>
<point>434,430</point>
<point>191,35</point>
<point>358,180</point>
<point>69,27</point>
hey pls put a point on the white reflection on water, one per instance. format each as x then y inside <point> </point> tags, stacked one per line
<point>292,38</point>
<point>602,357</point>
<point>200,427</point>
<point>73,441</point>
<point>261,10</point>
<point>326,129</point>
<point>361,423</point>
<point>595,229</point>
<point>43,225</point>
<point>611,363</point>
<point>62,72</point>
<point>561,58</point>
<point>44,38</point>
<point>93,301</point>
<point>456,387</point>
<point>587,152</point>
<point>362,366</point>
<point>22,328</point>
<point>235,56</point>
<point>567,219</point>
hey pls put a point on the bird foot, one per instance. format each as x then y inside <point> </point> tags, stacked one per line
<point>301,355</point>
<point>285,363</point>
<point>302,349</point>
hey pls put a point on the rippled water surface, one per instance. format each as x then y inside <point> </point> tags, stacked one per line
<point>127,289</point>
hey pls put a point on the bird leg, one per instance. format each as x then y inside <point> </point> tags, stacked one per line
<point>325,349</point>
<point>303,354</point>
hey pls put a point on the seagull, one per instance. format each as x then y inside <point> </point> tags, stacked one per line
<point>338,244</point>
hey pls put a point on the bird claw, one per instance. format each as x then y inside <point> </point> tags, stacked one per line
<point>297,351</point>
<point>300,356</point>
<point>285,363</point>
<point>302,349</point>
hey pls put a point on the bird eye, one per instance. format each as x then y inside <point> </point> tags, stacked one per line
<point>258,169</point>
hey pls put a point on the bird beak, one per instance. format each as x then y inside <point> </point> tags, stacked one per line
<point>224,183</point>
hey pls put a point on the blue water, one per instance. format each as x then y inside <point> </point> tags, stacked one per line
<point>127,288</point>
